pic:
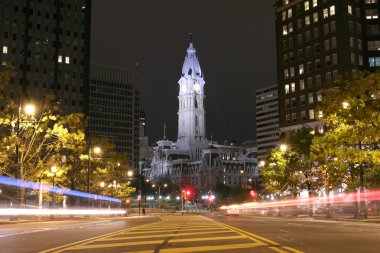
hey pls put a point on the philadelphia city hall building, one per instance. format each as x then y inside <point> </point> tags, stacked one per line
<point>193,161</point>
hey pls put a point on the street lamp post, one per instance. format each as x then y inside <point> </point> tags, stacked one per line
<point>102,184</point>
<point>29,110</point>
<point>97,150</point>
<point>159,193</point>
<point>53,170</point>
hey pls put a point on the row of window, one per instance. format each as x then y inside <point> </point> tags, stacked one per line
<point>288,28</point>
<point>306,37</point>
<point>312,114</point>
<point>292,102</point>
<point>314,65</point>
<point>317,80</point>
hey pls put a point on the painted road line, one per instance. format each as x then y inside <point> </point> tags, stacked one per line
<point>205,248</point>
<point>273,245</point>
<point>164,235</point>
<point>169,230</point>
<point>157,242</point>
<point>89,240</point>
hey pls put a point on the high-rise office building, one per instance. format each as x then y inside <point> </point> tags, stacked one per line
<point>47,42</point>
<point>319,41</point>
<point>267,120</point>
<point>114,108</point>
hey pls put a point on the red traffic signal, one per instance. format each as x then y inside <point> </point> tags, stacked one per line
<point>252,193</point>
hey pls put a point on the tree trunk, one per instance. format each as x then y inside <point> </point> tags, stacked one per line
<point>310,210</point>
<point>328,204</point>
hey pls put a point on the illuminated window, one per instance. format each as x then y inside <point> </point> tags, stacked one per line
<point>287,89</point>
<point>310,98</point>
<point>290,27</point>
<point>284,15</point>
<point>307,5</point>
<point>286,73</point>
<point>349,9</point>
<point>325,13</point>
<point>293,87</point>
<point>374,61</point>
<point>290,13</point>
<point>321,129</point>
<point>67,60</point>
<point>60,58</point>
<point>372,14</point>
<point>315,17</point>
<point>5,49</point>
<point>291,72</point>
<point>311,114</point>
<point>319,96</point>
<point>307,20</point>
<point>315,3</point>
<point>320,114</point>
<point>284,30</point>
<point>374,45</point>
<point>332,10</point>
<point>300,69</point>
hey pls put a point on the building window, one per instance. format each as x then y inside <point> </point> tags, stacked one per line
<point>60,58</point>
<point>294,117</point>
<point>284,30</point>
<point>325,13</point>
<point>300,53</point>
<point>5,49</point>
<point>328,77</point>
<point>302,84</point>
<point>370,1</point>
<point>286,73</point>
<point>335,74</point>
<point>328,60</point>
<point>372,45</point>
<point>290,13</point>
<point>299,23</point>
<point>319,96</point>
<point>67,60</point>
<point>287,90</point>
<point>352,42</point>
<point>374,61</point>
<point>373,29</point>
<point>360,44</point>
<point>349,9</point>
<point>283,15</point>
<point>320,114</point>
<point>315,17</point>
<point>315,3</point>
<point>302,100</point>
<point>301,69</point>
<point>299,39</point>
<point>287,118</point>
<point>353,58</point>
<point>303,115</point>
<point>310,83</point>
<point>287,103</point>
<point>371,14</point>
<point>292,72</point>
<point>293,87</point>
<point>307,20</point>
<point>320,129</point>
<point>306,4</point>
<point>318,80</point>
<point>332,10</point>
<point>290,27</point>
<point>310,98</point>
<point>332,26</point>
<point>311,114</point>
<point>333,42</point>
<point>327,45</point>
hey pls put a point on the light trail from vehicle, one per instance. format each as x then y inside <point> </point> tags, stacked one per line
<point>36,186</point>
<point>372,195</point>
<point>40,212</point>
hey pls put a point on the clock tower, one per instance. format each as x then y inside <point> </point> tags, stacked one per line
<point>191,112</point>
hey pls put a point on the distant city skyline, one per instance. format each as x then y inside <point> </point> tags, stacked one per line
<point>236,46</point>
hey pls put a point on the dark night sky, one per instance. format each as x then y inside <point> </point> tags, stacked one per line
<point>235,40</point>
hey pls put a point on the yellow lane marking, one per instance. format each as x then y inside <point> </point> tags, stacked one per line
<point>170,227</point>
<point>89,240</point>
<point>273,245</point>
<point>205,248</point>
<point>169,230</point>
<point>164,235</point>
<point>124,244</point>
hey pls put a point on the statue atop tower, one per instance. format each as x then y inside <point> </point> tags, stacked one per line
<point>191,112</point>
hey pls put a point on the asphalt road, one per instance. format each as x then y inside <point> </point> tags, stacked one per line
<point>191,233</point>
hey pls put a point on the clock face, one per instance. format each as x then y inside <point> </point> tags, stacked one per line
<point>197,87</point>
<point>183,88</point>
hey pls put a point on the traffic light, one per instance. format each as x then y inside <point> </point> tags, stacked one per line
<point>139,198</point>
<point>253,194</point>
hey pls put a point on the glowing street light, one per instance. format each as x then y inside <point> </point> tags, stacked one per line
<point>30,109</point>
<point>283,147</point>
<point>345,105</point>
<point>97,150</point>
<point>262,163</point>
<point>130,173</point>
